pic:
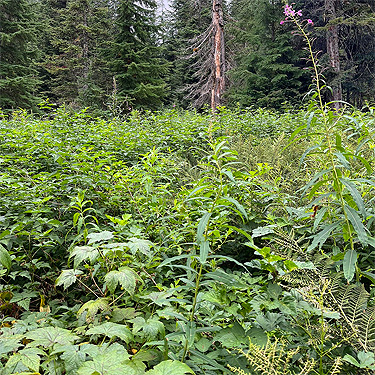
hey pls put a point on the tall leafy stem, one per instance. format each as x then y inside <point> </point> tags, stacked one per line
<point>351,221</point>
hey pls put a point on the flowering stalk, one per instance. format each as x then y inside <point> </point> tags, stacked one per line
<point>292,15</point>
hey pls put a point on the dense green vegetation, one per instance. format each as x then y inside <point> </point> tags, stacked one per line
<point>166,243</point>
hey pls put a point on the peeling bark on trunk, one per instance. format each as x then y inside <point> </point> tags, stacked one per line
<point>333,52</point>
<point>219,55</point>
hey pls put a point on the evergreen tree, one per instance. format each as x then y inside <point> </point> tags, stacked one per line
<point>134,56</point>
<point>269,66</point>
<point>18,53</point>
<point>79,31</point>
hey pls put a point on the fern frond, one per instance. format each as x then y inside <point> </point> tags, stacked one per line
<point>273,359</point>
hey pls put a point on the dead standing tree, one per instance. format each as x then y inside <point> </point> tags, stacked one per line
<point>210,64</point>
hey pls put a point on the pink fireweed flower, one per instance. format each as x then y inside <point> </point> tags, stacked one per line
<point>310,22</point>
<point>282,22</point>
<point>299,13</point>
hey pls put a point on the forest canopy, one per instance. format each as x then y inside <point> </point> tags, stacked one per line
<point>116,55</point>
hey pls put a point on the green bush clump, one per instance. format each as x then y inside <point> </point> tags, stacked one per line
<point>162,243</point>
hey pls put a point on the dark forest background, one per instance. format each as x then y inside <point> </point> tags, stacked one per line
<point>117,55</point>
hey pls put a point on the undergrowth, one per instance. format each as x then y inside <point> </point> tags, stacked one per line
<point>174,243</point>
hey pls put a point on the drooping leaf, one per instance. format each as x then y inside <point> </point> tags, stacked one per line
<point>81,253</point>
<point>111,330</point>
<point>202,227</point>
<point>5,259</point>
<point>149,328</point>
<point>93,306</point>
<point>138,244</point>
<point>124,276</point>
<point>358,226</point>
<point>99,237</point>
<point>350,260</point>
<point>170,367</point>
<point>68,277</point>
<point>356,196</point>
<point>320,238</point>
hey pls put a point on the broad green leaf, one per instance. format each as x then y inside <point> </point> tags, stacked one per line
<point>233,337</point>
<point>93,306</point>
<point>49,336</point>
<point>149,328</point>
<point>350,260</point>
<point>203,344</point>
<point>111,330</point>
<point>81,253</point>
<point>170,368</point>
<point>72,355</point>
<point>5,259</point>
<point>257,336</point>
<point>68,277</point>
<point>108,363</point>
<point>125,276</point>
<point>9,343</point>
<point>99,237</point>
<point>137,244</point>
<point>160,298</point>
<point>366,359</point>
<point>358,226</point>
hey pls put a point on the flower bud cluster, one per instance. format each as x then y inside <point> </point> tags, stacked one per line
<point>291,14</point>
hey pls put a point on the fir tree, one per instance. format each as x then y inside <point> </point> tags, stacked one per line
<point>79,31</point>
<point>134,57</point>
<point>269,70</point>
<point>18,53</point>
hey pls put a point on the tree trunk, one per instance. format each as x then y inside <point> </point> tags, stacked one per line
<point>333,52</point>
<point>218,86</point>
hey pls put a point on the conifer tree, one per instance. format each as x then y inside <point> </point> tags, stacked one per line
<point>79,31</point>
<point>18,53</point>
<point>269,69</point>
<point>134,56</point>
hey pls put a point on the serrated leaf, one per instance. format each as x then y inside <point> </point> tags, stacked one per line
<point>171,368</point>
<point>137,244</point>
<point>49,336</point>
<point>5,259</point>
<point>81,253</point>
<point>99,237</point>
<point>125,276</point>
<point>68,277</point>
<point>149,328</point>
<point>30,357</point>
<point>111,362</point>
<point>111,330</point>
<point>350,260</point>
<point>93,306</point>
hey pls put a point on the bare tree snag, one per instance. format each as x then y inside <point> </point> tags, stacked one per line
<point>218,86</point>
<point>332,36</point>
